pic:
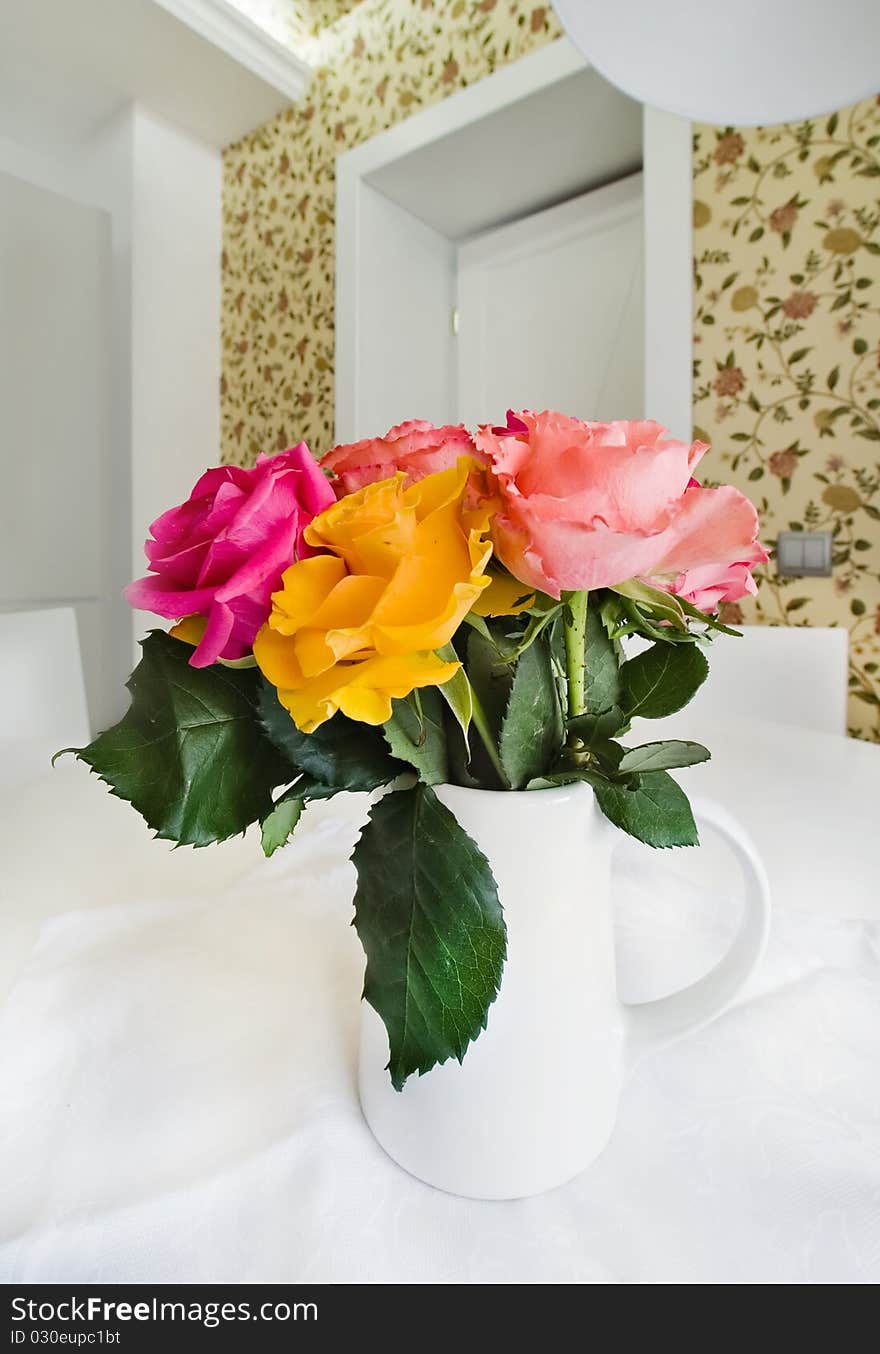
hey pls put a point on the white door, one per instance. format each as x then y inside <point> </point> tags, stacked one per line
<point>551,311</point>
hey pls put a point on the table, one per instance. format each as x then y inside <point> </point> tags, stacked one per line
<point>177,1043</point>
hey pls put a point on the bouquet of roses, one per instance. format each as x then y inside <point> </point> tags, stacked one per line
<point>424,608</point>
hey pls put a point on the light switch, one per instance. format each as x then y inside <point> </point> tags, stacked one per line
<point>803,554</point>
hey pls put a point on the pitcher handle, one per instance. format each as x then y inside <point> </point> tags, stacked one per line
<point>651,1024</point>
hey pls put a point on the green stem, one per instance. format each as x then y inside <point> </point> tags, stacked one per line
<point>481,724</point>
<point>576,650</point>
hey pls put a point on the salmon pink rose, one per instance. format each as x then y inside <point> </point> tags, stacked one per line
<point>417,448</point>
<point>220,555</point>
<point>591,505</point>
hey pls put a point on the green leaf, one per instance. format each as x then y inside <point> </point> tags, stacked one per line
<point>598,728</point>
<point>491,676</point>
<point>341,753</point>
<point>707,618</point>
<point>428,916</point>
<point>457,692</point>
<point>662,605</point>
<point>278,825</point>
<point>415,734</point>
<point>656,811</point>
<point>531,731</point>
<point>662,680</point>
<point>603,666</point>
<point>189,755</point>
<point>477,623</point>
<point>663,756</point>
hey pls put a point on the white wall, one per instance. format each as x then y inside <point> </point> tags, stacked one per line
<point>669,272</point>
<point>55,395</point>
<point>175,322</point>
<point>162,191</point>
<point>398,361</point>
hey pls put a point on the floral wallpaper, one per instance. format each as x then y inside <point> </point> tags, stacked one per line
<point>301,25</point>
<point>787,358</point>
<point>383,59</point>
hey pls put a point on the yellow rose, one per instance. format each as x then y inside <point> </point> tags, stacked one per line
<point>505,596</point>
<point>356,627</point>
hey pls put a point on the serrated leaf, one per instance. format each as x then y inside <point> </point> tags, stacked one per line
<point>457,693</point>
<point>663,756</point>
<point>599,727</point>
<point>491,676</point>
<point>428,916</point>
<point>532,730</point>
<point>661,680</point>
<point>662,605</point>
<point>341,753</point>
<point>603,667</point>
<point>278,825</point>
<point>415,734</point>
<point>655,811</point>
<point>189,754</point>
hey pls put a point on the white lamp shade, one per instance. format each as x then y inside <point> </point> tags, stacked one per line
<point>732,62</point>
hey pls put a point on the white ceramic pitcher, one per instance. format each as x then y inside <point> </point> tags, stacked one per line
<point>535,1099</point>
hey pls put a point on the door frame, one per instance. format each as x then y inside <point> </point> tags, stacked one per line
<point>667,199</point>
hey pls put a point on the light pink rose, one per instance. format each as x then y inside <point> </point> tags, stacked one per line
<point>591,505</point>
<point>221,554</point>
<point>416,447</point>
<point>709,585</point>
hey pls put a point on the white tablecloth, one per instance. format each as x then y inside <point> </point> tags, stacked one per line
<point>177,1059</point>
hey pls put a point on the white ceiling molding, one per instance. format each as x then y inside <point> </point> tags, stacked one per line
<point>67,69</point>
<point>245,41</point>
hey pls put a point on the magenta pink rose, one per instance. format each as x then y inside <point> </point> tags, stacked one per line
<point>221,554</point>
<point>591,505</point>
<point>415,447</point>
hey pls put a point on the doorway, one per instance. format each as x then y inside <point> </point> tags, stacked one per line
<point>493,250</point>
<point>550,311</point>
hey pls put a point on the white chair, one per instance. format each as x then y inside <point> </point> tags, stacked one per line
<point>42,692</point>
<point>786,674</point>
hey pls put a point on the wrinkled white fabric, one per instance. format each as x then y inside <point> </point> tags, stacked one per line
<point>179,1103</point>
